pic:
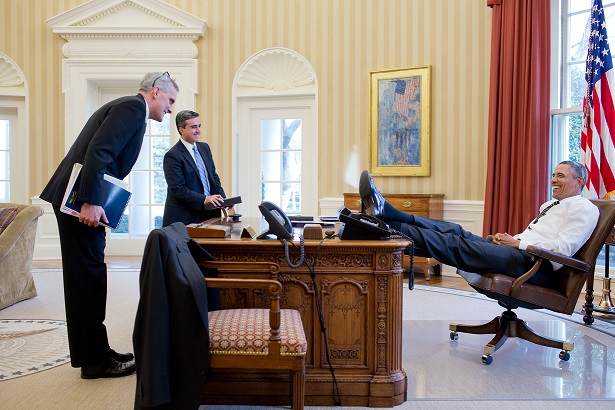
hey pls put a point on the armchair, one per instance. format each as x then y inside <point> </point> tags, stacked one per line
<point>17,236</point>
<point>257,339</point>
<point>512,293</point>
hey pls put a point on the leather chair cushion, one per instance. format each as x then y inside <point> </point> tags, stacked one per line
<point>498,286</point>
<point>247,332</point>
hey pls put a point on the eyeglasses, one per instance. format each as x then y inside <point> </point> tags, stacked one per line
<point>159,77</point>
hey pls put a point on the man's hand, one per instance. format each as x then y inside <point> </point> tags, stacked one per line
<point>506,240</point>
<point>215,200</point>
<point>92,214</point>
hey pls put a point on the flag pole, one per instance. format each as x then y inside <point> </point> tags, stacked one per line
<point>598,136</point>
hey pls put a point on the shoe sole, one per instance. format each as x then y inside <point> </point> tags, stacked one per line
<point>365,187</point>
<point>107,376</point>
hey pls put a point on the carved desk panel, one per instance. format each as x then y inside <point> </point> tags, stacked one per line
<point>359,284</point>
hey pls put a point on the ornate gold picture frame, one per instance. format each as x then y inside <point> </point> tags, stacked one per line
<point>399,121</point>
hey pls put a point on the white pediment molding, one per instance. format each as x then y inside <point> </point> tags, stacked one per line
<point>128,29</point>
<point>275,70</point>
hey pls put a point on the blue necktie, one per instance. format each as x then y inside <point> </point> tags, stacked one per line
<point>201,167</point>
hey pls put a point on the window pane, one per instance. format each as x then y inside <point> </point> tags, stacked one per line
<point>4,191</point>
<point>292,134</point>
<point>578,5</point>
<point>160,188</point>
<point>291,198</point>
<point>157,212</point>
<point>566,137</point>
<point>270,164</point>
<point>271,192</point>
<point>139,221</point>
<point>270,134</point>
<point>139,183</point>
<point>143,159</point>
<point>291,166</point>
<point>4,168</point>
<point>4,134</point>
<point>161,128</point>
<point>160,146</point>
<point>578,85</point>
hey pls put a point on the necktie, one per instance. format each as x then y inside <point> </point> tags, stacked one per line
<point>201,167</point>
<point>544,211</point>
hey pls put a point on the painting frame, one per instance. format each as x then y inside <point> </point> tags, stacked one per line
<point>399,121</point>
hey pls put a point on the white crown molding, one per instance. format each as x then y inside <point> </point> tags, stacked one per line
<point>128,29</point>
<point>10,73</point>
<point>275,70</point>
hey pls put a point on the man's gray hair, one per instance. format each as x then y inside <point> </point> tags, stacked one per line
<point>578,170</point>
<point>158,79</point>
<point>182,118</point>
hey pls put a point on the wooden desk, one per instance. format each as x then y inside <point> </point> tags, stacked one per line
<point>426,205</point>
<point>360,288</point>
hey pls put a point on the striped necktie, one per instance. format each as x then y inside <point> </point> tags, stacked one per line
<point>201,167</point>
<point>544,211</point>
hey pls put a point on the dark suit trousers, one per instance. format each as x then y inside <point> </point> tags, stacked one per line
<point>450,244</point>
<point>85,289</point>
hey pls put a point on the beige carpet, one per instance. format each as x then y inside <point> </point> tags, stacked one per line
<point>441,374</point>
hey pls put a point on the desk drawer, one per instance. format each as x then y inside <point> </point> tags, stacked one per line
<point>410,205</point>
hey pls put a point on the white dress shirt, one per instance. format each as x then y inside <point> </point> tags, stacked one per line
<point>564,228</point>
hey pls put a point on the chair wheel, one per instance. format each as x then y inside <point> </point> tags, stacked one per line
<point>454,336</point>
<point>564,355</point>
<point>487,359</point>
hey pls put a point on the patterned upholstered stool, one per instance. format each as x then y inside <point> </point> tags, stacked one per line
<point>263,339</point>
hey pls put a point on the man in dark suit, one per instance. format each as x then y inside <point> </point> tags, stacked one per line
<point>109,143</point>
<point>192,181</point>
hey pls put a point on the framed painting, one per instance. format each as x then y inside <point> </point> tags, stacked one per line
<point>399,121</point>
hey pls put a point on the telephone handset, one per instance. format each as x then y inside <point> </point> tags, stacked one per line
<point>361,226</point>
<point>279,224</point>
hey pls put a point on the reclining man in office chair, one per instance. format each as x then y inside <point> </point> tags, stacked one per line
<point>563,225</point>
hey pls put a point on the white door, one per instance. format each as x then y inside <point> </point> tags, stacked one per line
<point>277,156</point>
<point>145,181</point>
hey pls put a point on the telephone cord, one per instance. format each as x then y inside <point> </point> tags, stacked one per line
<point>302,251</point>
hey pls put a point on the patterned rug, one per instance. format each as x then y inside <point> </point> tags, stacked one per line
<point>31,346</point>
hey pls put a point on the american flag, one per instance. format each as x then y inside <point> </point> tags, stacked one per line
<point>598,129</point>
<point>402,100</point>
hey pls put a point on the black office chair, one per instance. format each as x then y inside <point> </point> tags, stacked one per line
<point>512,293</point>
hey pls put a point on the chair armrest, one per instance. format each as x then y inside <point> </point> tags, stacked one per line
<point>559,258</point>
<point>247,267</point>
<point>542,255</point>
<point>15,230</point>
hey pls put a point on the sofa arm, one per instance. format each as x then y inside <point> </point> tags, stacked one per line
<point>15,230</point>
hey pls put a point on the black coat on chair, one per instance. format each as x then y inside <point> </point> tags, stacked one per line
<point>171,340</point>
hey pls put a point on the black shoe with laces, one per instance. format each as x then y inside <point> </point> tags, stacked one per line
<point>121,357</point>
<point>109,368</point>
<point>372,201</point>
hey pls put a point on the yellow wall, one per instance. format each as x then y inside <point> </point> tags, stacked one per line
<point>342,39</point>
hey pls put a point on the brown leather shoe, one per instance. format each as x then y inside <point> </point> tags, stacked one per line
<point>109,368</point>
<point>121,357</point>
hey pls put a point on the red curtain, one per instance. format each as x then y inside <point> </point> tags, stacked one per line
<point>518,171</point>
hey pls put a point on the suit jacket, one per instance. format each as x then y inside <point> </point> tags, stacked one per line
<point>185,193</point>
<point>109,143</point>
<point>171,334</point>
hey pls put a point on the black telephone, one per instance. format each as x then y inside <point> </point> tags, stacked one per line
<point>279,224</point>
<point>361,226</point>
